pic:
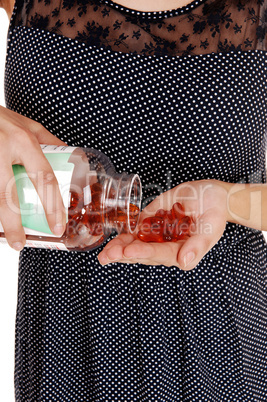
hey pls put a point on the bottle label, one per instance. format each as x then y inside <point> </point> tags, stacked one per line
<point>55,149</point>
<point>40,244</point>
<point>32,212</point>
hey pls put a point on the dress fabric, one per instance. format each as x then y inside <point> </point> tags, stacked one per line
<point>174,96</point>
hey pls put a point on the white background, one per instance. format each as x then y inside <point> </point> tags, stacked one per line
<point>8,274</point>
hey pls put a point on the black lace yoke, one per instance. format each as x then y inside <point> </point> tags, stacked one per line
<point>204,26</point>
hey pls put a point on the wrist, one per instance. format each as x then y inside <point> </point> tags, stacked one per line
<point>231,201</point>
<point>245,204</point>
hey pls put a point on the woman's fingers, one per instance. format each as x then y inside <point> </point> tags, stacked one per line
<point>46,185</point>
<point>206,233</point>
<point>113,251</point>
<point>127,249</point>
<point>42,135</point>
<point>9,210</point>
<point>153,253</point>
<point>18,126</point>
<point>20,139</point>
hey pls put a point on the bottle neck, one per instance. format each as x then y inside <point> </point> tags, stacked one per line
<point>121,203</point>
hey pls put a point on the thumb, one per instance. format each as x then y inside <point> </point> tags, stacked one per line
<point>207,232</point>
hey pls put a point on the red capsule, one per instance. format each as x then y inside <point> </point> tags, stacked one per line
<point>96,188</point>
<point>73,222</point>
<point>177,233</point>
<point>168,231</point>
<point>153,224</point>
<point>150,237</point>
<point>133,223</point>
<point>119,217</point>
<point>96,200</point>
<point>86,213</point>
<point>110,213</point>
<point>111,193</point>
<point>184,225</point>
<point>168,216</point>
<point>166,226</point>
<point>75,200</point>
<point>120,220</point>
<point>134,210</point>
<point>177,211</point>
<point>95,224</point>
<point>152,229</point>
<point>160,213</point>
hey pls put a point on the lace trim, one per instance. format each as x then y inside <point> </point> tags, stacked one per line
<point>202,27</point>
<point>156,14</point>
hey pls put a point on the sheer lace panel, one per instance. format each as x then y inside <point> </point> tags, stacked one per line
<point>205,26</point>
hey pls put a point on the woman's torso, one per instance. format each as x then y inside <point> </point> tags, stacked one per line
<point>174,96</point>
<point>183,90</point>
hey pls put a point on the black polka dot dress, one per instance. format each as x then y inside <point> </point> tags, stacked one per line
<point>173,96</point>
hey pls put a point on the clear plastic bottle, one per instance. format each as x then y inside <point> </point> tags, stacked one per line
<point>97,200</point>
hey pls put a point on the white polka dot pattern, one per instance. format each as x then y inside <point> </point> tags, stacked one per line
<point>157,14</point>
<point>131,332</point>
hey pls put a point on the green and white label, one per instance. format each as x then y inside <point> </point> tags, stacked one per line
<point>32,212</point>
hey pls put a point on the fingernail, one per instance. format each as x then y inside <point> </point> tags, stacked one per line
<point>188,258</point>
<point>58,229</point>
<point>17,246</point>
<point>104,260</point>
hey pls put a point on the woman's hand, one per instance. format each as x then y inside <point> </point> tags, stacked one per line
<point>205,201</point>
<point>19,144</point>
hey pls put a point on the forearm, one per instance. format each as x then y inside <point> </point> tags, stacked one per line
<point>247,204</point>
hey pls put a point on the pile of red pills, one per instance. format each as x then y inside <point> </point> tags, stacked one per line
<point>166,226</point>
<point>91,218</point>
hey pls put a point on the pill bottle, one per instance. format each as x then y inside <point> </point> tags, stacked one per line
<point>97,200</point>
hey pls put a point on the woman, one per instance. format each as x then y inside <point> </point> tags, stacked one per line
<point>179,97</point>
